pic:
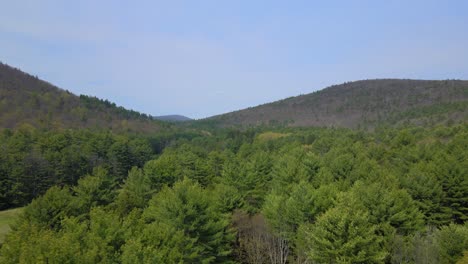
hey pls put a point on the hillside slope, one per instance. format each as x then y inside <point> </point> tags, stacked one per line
<point>25,99</point>
<point>364,103</point>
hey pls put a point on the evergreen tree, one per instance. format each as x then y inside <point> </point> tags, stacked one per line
<point>163,171</point>
<point>120,158</point>
<point>189,209</point>
<point>426,190</point>
<point>343,235</point>
<point>386,205</point>
<point>95,190</point>
<point>452,173</point>
<point>49,210</point>
<point>135,192</point>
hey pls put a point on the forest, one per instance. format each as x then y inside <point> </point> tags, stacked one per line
<point>372,171</point>
<point>237,132</point>
<point>224,195</point>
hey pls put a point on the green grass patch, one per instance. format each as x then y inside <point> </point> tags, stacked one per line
<point>7,218</point>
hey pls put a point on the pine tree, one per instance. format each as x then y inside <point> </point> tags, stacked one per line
<point>343,235</point>
<point>135,192</point>
<point>187,208</point>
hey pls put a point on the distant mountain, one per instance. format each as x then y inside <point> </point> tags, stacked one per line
<point>25,99</point>
<point>173,118</point>
<point>364,103</point>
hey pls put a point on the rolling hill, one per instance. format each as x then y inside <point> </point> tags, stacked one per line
<point>366,103</point>
<point>25,99</point>
<point>172,118</point>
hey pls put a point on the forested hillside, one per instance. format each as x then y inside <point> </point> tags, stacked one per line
<point>25,99</point>
<point>292,195</point>
<point>361,104</point>
<point>102,184</point>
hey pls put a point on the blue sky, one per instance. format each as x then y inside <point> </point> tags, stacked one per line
<point>201,58</point>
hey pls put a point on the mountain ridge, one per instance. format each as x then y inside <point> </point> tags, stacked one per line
<point>25,99</point>
<point>363,103</point>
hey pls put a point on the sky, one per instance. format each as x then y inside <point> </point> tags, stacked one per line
<point>201,58</point>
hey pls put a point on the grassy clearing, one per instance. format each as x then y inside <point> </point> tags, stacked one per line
<point>7,217</point>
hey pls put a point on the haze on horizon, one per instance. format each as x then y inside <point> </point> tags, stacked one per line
<point>202,58</point>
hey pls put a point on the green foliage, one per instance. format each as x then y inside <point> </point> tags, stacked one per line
<point>189,209</point>
<point>293,166</point>
<point>158,243</point>
<point>316,195</point>
<point>135,192</point>
<point>452,173</point>
<point>227,198</point>
<point>32,160</point>
<point>343,235</point>
<point>95,240</point>
<point>49,210</point>
<point>452,242</point>
<point>249,178</point>
<point>120,157</point>
<point>427,192</point>
<point>31,244</point>
<point>95,190</point>
<point>172,166</point>
<point>285,212</point>
<point>386,205</point>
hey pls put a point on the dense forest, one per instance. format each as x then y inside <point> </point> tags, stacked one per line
<point>290,195</point>
<point>33,160</point>
<point>115,186</point>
